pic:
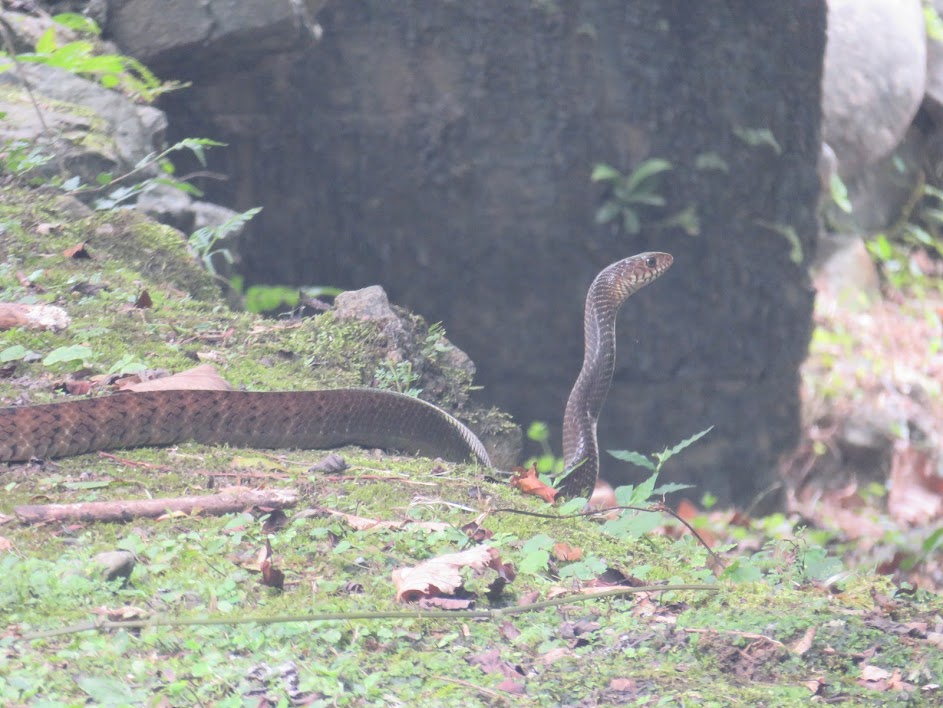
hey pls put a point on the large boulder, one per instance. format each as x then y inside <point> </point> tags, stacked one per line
<point>444,150</point>
<point>874,79</point>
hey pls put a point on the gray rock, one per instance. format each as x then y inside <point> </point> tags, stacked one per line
<point>933,100</point>
<point>875,77</point>
<point>115,564</point>
<point>844,269</point>
<point>89,128</point>
<point>206,32</point>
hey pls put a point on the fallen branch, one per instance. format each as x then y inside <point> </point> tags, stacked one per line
<point>229,502</point>
<point>497,614</point>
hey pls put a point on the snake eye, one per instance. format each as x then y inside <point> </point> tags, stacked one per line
<point>651,261</point>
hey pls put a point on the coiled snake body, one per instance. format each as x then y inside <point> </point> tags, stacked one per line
<point>329,418</point>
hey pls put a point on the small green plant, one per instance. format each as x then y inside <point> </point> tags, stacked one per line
<point>920,228</point>
<point>635,196</point>
<point>19,157</point>
<point>635,524</point>
<point>629,193</point>
<point>397,376</point>
<point>81,57</point>
<point>203,242</point>
<point>546,463</point>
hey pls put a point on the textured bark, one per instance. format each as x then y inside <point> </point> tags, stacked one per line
<point>443,150</point>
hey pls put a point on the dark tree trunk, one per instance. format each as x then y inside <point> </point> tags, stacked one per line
<point>444,150</point>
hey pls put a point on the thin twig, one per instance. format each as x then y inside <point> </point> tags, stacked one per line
<point>459,615</point>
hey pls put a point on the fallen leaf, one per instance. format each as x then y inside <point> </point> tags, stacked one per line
<point>814,685</point>
<point>211,356</point>
<point>477,533</point>
<point>77,251</point>
<point>565,552</point>
<point>511,686</point>
<point>912,497</point>
<point>363,523</point>
<point>490,662</point>
<point>552,655</point>
<point>120,614</point>
<point>874,673</point>
<point>604,497</point>
<point>78,388</point>
<point>46,228</point>
<point>805,642</point>
<point>527,482</point>
<point>509,631</point>
<point>623,684</point>
<point>442,575</point>
<point>200,378</point>
<point>445,603</point>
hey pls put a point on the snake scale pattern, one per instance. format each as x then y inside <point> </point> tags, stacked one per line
<point>330,418</point>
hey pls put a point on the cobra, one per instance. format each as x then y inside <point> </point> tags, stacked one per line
<point>332,417</point>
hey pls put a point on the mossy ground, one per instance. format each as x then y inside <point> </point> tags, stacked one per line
<point>740,645</point>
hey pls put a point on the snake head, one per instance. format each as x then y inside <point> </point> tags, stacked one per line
<point>627,276</point>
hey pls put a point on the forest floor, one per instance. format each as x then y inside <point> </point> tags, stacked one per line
<point>391,581</point>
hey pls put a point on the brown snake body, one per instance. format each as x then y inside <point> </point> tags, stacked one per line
<point>329,418</point>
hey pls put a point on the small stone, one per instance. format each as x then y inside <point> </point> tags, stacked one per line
<point>116,564</point>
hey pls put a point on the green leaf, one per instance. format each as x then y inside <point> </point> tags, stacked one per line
<point>670,488</point>
<point>76,352</point>
<point>636,458</point>
<point>78,486</point>
<point>755,137</point>
<point>671,452</point>
<point>603,172</point>
<point>933,23</point>
<point>630,221</point>
<point>711,161</point>
<point>572,506</point>
<point>632,525</point>
<point>77,22</point>
<point>607,212</point>
<point>643,198</point>
<point>109,691</point>
<point>14,353</point>
<point>638,495</point>
<point>646,170</point>
<point>538,432</point>
<point>839,193</point>
<point>47,42</point>
<point>742,571</point>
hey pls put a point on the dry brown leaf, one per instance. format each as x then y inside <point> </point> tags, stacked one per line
<point>623,684</point>
<point>363,523</point>
<point>76,251</point>
<point>874,673</point>
<point>805,642</point>
<point>46,228</point>
<point>120,614</point>
<point>442,575</point>
<point>814,685</point>
<point>912,498</point>
<point>527,482</point>
<point>78,388</point>
<point>565,552</point>
<point>200,378</point>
